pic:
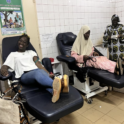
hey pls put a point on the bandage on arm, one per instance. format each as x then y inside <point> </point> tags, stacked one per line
<point>38,63</point>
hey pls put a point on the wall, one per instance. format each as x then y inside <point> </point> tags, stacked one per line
<point>55,16</point>
<point>30,16</point>
<point>119,9</point>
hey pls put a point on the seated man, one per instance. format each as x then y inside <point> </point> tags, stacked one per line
<point>27,67</point>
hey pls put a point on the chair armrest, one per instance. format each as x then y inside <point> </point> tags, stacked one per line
<point>5,78</point>
<point>65,58</point>
<point>100,54</point>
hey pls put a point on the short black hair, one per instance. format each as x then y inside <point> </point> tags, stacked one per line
<point>26,36</point>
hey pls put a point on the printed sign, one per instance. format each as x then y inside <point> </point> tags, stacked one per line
<point>11,17</point>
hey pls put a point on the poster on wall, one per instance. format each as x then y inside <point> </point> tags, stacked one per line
<point>12,17</point>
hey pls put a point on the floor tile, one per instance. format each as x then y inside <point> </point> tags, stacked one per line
<point>117,114</point>
<point>71,116</point>
<point>98,98</point>
<point>61,121</point>
<point>86,107</point>
<point>105,96</point>
<point>113,100</point>
<point>119,95</point>
<point>92,114</point>
<point>102,96</point>
<point>106,120</point>
<point>80,120</point>
<point>104,107</point>
<point>121,106</point>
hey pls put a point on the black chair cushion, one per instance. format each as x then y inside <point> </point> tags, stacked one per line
<point>69,38</point>
<point>65,42</point>
<point>39,104</point>
<point>106,77</point>
<point>67,59</point>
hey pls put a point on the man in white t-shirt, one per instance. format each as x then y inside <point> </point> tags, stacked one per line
<point>27,67</point>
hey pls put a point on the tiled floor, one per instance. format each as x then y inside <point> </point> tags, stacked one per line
<point>103,110</point>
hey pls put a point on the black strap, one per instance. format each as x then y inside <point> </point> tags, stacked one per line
<point>93,58</point>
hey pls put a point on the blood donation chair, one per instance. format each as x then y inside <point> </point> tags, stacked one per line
<point>35,98</point>
<point>86,80</point>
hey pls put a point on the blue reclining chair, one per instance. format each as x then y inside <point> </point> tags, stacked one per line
<point>37,100</point>
<point>87,86</point>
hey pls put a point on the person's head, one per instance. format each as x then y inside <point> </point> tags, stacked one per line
<point>115,19</point>
<point>23,42</point>
<point>86,32</point>
<point>87,35</point>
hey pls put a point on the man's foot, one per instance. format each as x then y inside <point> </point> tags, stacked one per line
<point>65,84</point>
<point>56,89</point>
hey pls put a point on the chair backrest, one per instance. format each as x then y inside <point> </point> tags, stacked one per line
<point>65,42</point>
<point>10,44</point>
<point>47,64</point>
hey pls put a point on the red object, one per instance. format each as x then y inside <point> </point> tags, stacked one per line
<point>51,59</point>
<point>51,73</point>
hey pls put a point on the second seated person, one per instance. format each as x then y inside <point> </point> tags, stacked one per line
<point>83,51</point>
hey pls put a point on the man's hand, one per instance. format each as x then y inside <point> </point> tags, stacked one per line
<point>95,54</point>
<point>4,71</point>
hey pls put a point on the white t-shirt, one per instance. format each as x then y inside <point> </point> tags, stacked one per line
<point>20,62</point>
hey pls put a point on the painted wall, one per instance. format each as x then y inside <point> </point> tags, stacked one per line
<point>55,16</point>
<point>119,9</point>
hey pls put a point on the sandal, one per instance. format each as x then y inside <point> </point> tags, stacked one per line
<point>65,84</point>
<point>56,89</point>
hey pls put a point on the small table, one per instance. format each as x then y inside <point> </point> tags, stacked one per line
<point>57,66</point>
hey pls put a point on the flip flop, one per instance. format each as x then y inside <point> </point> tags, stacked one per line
<point>65,84</point>
<point>56,89</point>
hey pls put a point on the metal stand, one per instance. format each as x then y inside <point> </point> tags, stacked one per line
<point>89,88</point>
